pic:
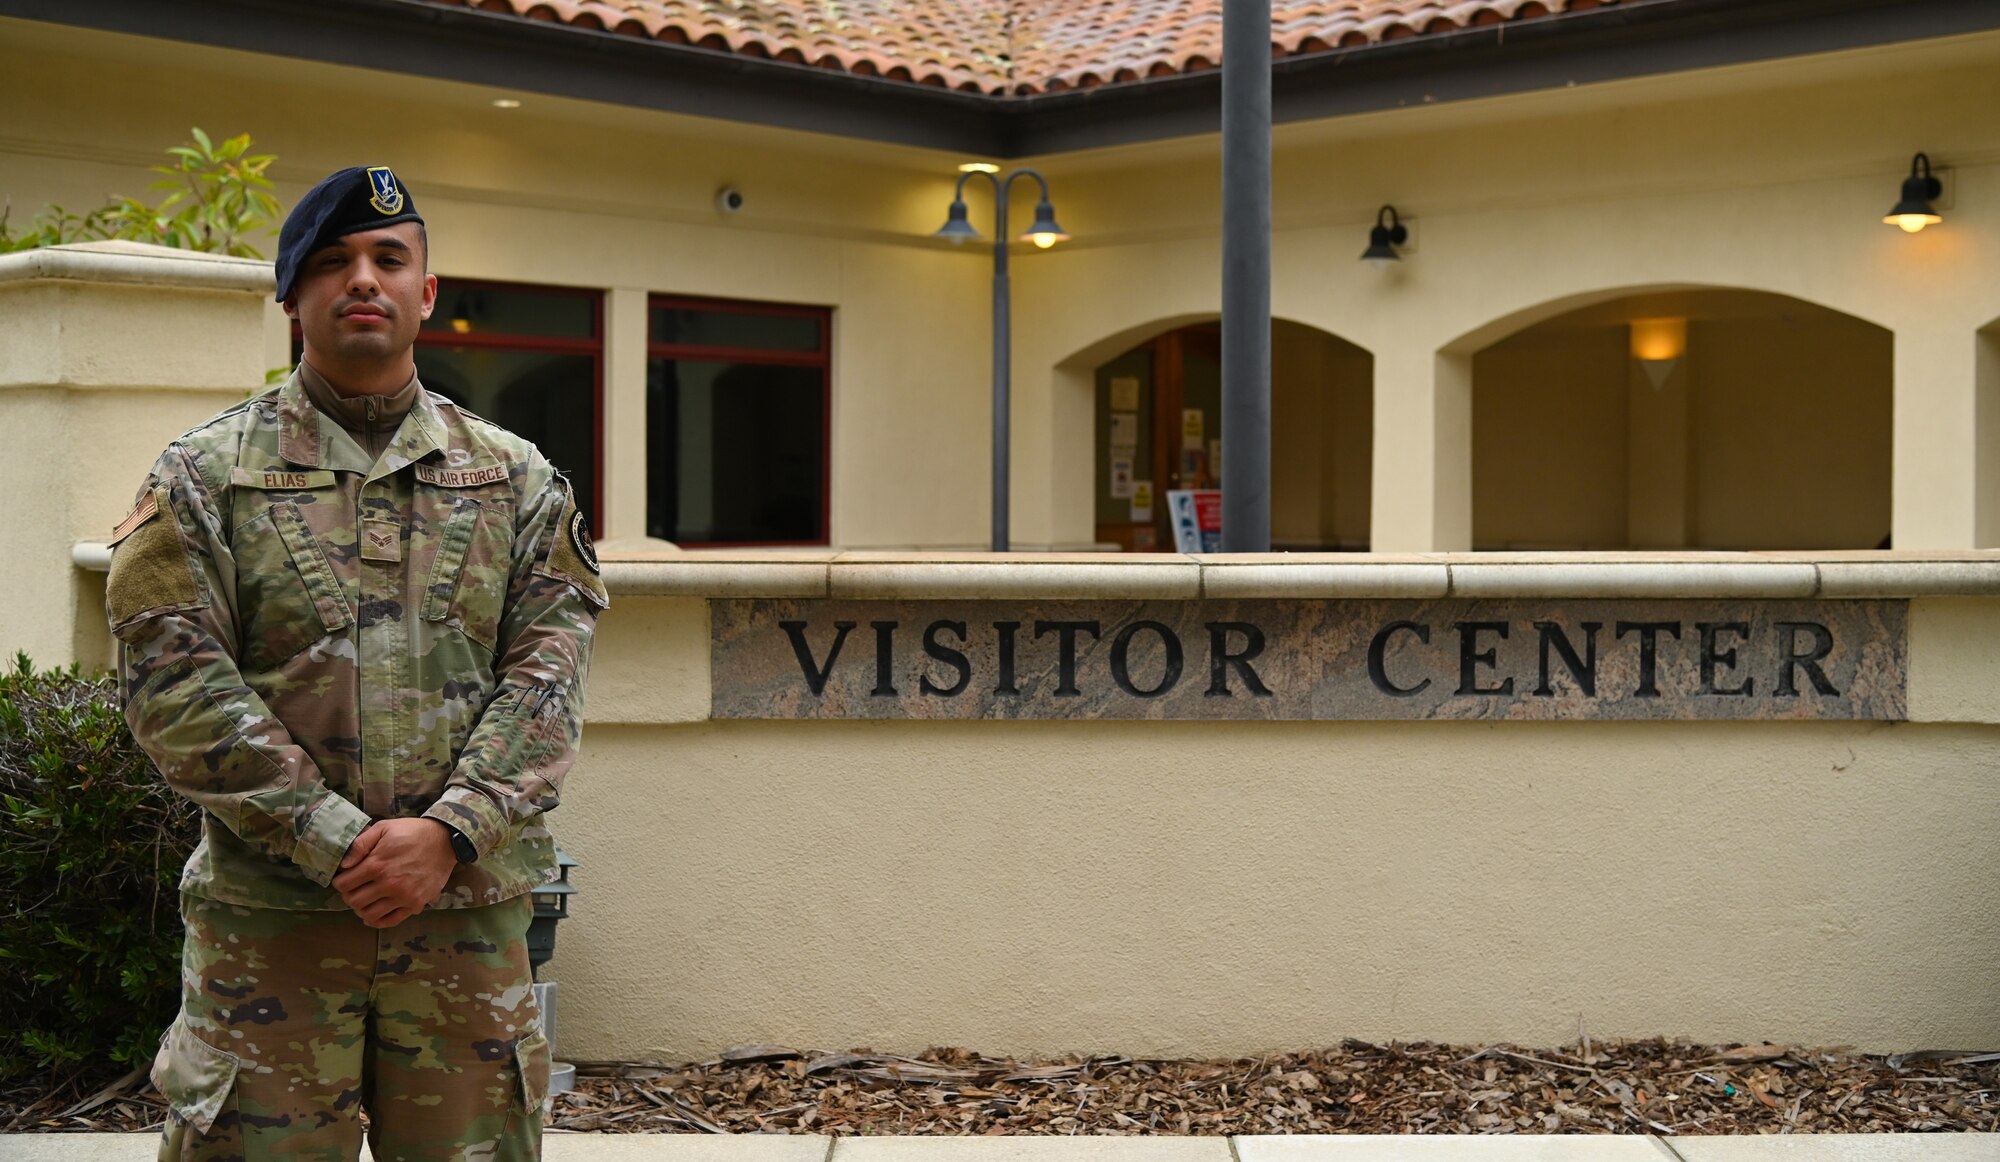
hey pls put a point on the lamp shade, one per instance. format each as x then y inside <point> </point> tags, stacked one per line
<point>1044,232</point>
<point>1383,238</point>
<point>956,227</point>
<point>1913,211</point>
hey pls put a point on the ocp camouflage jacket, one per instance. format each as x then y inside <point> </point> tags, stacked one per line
<point>311,639</point>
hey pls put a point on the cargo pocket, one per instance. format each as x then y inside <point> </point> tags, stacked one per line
<point>288,592</point>
<point>468,580</point>
<point>197,1079</point>
<point>531,1062</point>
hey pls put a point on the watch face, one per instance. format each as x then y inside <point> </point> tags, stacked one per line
<point>463,848</point>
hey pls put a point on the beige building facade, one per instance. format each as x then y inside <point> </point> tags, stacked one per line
<point>1483,421</point>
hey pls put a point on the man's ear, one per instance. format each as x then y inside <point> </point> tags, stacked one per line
<point>291,306</point>
<point>430,294</point>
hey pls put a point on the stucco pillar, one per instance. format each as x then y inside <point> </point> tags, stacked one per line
<point>1937,453</point>
<point>1658,474</point>
<point>624,485</point>
<point>108,350</point>
<point>1421,498</point>
<point>1986,371</point>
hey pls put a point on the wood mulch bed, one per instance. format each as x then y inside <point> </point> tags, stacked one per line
<point>1638,1087</point>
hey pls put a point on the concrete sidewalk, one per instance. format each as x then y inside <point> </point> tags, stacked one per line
<point>1300,1148</point>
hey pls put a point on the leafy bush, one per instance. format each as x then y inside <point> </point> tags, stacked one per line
<point>218,194</point>
<point>91,848</point>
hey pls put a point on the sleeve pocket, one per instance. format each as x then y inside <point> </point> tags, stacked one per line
<point>150,568</point>
<point>196,1078</point>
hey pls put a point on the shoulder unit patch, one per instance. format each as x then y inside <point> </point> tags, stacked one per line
<point>573,558</point>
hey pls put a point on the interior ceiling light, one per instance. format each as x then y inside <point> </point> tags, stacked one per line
<point>1658,345</point>
<point>978,167</point>
<point>1920,189</point>
<point>506,103</point>
<point>1383,238</point>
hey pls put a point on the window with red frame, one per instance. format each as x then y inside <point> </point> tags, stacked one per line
<point>529,358</point>
<point>738,399</point>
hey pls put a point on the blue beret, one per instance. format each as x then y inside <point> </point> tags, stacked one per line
<point>355,199</point>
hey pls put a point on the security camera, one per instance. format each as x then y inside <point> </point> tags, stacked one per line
<point>729,199</point>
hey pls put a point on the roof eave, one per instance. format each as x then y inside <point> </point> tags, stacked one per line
<point>480,47</point>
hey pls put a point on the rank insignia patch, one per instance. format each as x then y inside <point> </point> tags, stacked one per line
<point>387,196</point>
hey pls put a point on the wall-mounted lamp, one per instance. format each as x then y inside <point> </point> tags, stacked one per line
<point>1383,238</point>
<point>1657,345</point>
<point>1920,189</point>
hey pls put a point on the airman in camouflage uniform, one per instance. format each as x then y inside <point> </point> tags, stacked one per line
<point>320,630</point>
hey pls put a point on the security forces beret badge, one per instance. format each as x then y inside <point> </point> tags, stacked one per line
<point>387,195</point>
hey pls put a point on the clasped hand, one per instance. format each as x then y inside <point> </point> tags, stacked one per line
<point>394,869</point>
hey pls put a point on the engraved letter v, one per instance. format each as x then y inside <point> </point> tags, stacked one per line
<point>815,675</point>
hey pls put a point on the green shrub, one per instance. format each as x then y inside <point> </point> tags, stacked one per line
<point>91,848</point>
<point>217,195</point>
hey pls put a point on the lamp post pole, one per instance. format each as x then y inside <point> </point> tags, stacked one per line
<point>1043,233</point>
<point>1246,276</point>
<point>1003,368</point>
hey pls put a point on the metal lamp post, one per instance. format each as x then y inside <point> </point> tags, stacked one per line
<point>551,903</point>
<point>1043,233</point>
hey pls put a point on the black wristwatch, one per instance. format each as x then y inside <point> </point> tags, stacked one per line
<point>461,846</point>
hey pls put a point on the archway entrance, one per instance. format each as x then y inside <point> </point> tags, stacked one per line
<point>1717,419</point>
<point>1159,428</point>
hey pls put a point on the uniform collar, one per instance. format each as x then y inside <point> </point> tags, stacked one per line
<point>421,433</point>
<point>306,440</point>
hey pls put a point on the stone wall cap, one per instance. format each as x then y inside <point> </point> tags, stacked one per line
<point>914,574</point>
<point>905,575</point>
<point>1052,577</point>
<point>138,264</point>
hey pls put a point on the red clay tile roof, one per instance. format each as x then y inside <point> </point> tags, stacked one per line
<point>1014,46</point>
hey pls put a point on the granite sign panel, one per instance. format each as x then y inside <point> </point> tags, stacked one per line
<point>1299,659</point>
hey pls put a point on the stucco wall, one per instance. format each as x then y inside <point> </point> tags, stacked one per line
<point>1214,888</point>
<point>1767,177</point>
<point>572,193</point>
<point>1771,177</point>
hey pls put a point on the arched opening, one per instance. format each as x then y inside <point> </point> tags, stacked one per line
<point>1158,408</point>
<point>1706,418</point>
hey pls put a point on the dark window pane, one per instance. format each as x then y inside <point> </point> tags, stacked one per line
<point>735,452</point>
<point>489,310</point>
<point>696,328</point>
<point>549,399</point>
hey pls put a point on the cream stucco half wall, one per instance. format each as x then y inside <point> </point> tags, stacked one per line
<point>1230,888</point>
<point>108,350</point>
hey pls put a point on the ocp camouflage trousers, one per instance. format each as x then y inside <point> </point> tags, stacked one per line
<point>292,1023</point>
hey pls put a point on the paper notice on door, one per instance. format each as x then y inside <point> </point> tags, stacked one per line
<point>1142,501</point>
<point>1192,428</point>
<point>1124,433</point>
<point>1124,393</point>
<point>1121,479</point>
